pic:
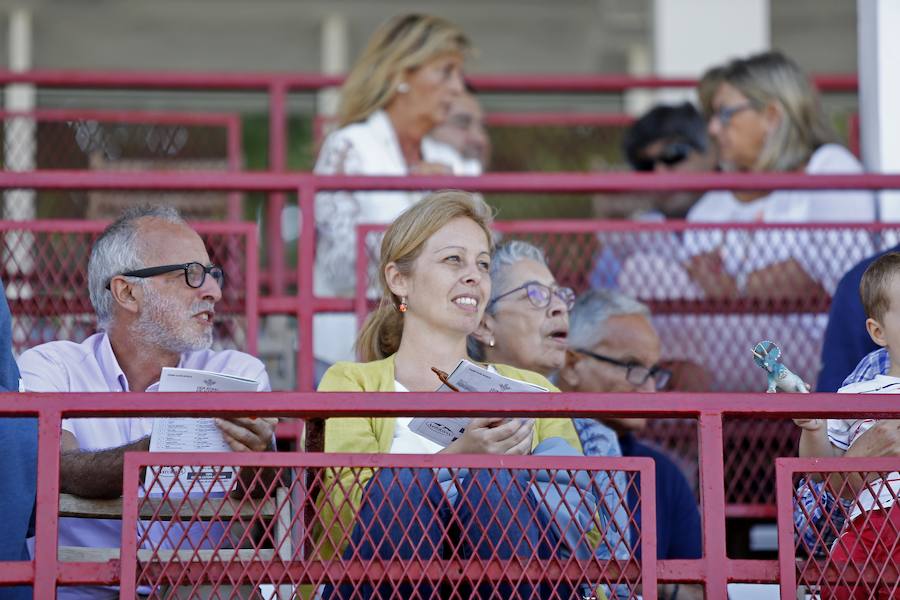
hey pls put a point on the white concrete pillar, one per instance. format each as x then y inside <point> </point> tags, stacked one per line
<point>20,142</point>
<point>689,36</point>
<point>879,93</point>
<point>335,50</point>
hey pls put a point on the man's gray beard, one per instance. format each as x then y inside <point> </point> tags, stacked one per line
<point>154,327</point>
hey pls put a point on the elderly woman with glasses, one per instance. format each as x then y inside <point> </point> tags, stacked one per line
<point>526,322</point>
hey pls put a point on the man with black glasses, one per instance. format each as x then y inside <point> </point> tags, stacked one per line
<point>613,347</point>
<point>154,291</point>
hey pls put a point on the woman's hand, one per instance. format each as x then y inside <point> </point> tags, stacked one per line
<point>430,168</point>
<point>495,436</point>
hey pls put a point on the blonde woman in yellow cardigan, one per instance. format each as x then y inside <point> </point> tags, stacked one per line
<point>435,263</point>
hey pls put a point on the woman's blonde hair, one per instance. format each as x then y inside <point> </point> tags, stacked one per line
<point>402,43</point>
<point>773,77</point>
<point>402,244</point>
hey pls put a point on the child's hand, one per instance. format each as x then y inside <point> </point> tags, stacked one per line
<point>810,424</point>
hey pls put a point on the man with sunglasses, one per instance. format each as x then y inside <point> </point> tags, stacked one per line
<point>154,291</point>
<point>670,139</point>
<point>613,347</point>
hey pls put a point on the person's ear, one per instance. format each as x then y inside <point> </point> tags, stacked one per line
<point>125,294</point>
<point>876,332</point>
<point>397,282</point>
<point>568,373</point>
<point>772,114</point>
<point>485,331</point>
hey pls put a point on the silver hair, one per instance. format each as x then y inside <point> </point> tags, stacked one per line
<point>505,256</point>
<point>117,250</point>
<point>588,317</point>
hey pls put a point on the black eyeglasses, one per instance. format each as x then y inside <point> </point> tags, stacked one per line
<point>636,374</point>
<point>194,273</point>
<point>670,155</point>
<point>540,295</point>
<point>724,114</point>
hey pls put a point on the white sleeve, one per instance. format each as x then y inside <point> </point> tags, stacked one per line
<point>337,214</point>
<point>41,372</point>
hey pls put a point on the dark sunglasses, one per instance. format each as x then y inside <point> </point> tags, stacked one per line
<point>540,295</point>
<point>194,273</point>
<point>670,155</point>
<point>636,374</point>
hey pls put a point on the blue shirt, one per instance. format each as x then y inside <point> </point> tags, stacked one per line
<point>846,339</point>
<point>18,464</point>
<point>677,516</point>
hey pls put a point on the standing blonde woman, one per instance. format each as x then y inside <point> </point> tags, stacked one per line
<point>435,265</point>
<point>400,88</point>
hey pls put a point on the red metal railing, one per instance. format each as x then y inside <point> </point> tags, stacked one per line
<point>143,123</point>
<point>304,305</point>
<point>714,569</point>
<point>278,86</point>
<point>44,269</point>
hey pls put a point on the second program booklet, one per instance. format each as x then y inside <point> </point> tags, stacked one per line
<point>192,434</point>
<point>466,377</point>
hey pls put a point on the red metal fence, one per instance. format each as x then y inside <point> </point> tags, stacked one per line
<point>225,567</point>
<point>305,304</point>
<point>44,269</point>
<point>277,88</point>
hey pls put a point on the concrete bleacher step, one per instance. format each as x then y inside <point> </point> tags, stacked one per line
<point>75,554</point>
<point>205,508</point>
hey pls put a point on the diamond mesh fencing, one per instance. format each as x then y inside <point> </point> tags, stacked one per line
<point>45,274</point>
<point>325,526</point>
<point>846,532</point>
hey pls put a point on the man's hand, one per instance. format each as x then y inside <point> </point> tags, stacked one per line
<point>708,271</point>
<point>882,439</point>
<point>810,424</point>
<point>785,280</point>
<point>248,434</point>
<point>495,436</point>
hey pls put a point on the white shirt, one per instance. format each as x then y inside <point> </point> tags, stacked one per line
<point>91,366</point>
<point>744,252</point>
<point>842,433</point>
<point>366,148</point>
<point>407,441</point>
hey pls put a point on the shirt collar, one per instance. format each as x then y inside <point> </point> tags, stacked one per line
<point>115,376</point>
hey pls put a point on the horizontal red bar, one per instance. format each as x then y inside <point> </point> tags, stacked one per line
<point>750,511</point>
<point>492,182</point>
<point>389,404</point>
<point>126,116</point>
<point>290,304</point>
<point>314,81</point>
<point>15,573</point>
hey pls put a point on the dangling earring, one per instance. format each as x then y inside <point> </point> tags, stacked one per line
<point>491,343</point>
<point>403,305</point>
<point>402,87</point>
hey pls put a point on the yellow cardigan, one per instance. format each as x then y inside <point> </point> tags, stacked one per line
<point>375,435</point>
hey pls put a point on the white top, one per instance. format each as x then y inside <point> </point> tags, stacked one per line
<point>91,366</point>
<point>407,441</point>
<point>842,433</point>
<point>795,206</point>
<point>369,147</point>
<point>745,252</point>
